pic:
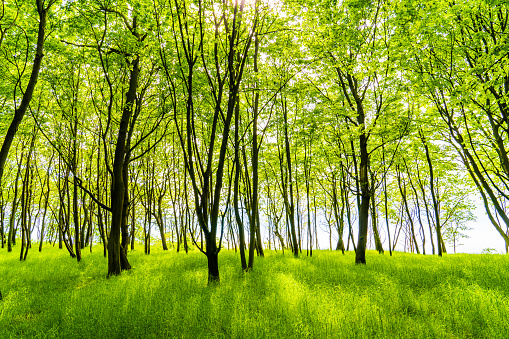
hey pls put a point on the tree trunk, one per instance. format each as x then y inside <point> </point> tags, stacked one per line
<point>240,224</point>
<point>254,221</point>
<point>421,187</point>
<point>378,243</point>
<point>77,240</point>
<point>46,200</point>
<point>124,263</point>
<point>2,219</point>
<point>212,260</point>
<point>402,190</point>
<point>338,215</point>
<point>12,217</point>
<point>360,255</point>
<point>307,171</point>
<point>160,224</point>
<point>291,207</point>
<point>385,200</point>
<point>19,113</point>
<point>118,186</point>
<point>433,196</point>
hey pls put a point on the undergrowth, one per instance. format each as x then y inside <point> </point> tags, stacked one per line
<point>165,295</point>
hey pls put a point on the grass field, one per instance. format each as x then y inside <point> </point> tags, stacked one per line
<point>326,296</point>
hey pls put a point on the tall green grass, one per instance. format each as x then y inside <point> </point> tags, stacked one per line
<point>165,295</point>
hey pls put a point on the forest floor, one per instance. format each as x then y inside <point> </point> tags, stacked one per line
<point>165,295</point>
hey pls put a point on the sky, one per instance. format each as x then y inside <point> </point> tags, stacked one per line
<point>482,235</point>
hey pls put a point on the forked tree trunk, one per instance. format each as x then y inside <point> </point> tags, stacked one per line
<point>118,185</point>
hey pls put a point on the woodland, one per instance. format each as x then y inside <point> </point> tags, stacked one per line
<point>251,125</point>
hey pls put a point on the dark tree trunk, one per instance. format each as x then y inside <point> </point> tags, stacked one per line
<point>307,171</point>
<point>385,199</point>
<point>77,240</point>
<point>133,223</point>
<point>344,192</point>
<point>417,204</point>
<point>374,224</point>
<point>402,190</point>
<point>338,215</point>
<point>290,204</point>
<point>360,255</point>
<point>118,186</point>
<point>12,217</point>
<point>254,216</point>
<point>240,224</point>
<point>24,207</point>
<point>124,263</point>
<point>160,224</point>
<point>433,197</point>
<point>426,206</point>
<point>19,113</point>
<point>212,261</point>
<point>2,219</point>
<point>46,200</point>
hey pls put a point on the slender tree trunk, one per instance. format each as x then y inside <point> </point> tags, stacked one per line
<point>160,224</point>
<point>378,242</point>
<point>46,200</point>
<point>307,171</point>
<point>26,200</point>
<point>295,244</point>
<point>124,244</point>
<point>433,196</point>
<point>421,187</point>
<point>417,204</point>
<point>19,113</point>
<point>402,190</point>
<point>240,224</point>
<point>338,215</point>
<point>12,217</point>
<point>385,200</point>
<point>2,219</point>
<point>360,254</point>
<point>24,207</point>
<point>133,224</point>
<point>344,192</point>
<point>254,163</point>
<point>77,240</point>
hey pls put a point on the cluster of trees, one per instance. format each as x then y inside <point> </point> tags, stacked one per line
<point>251,124</point>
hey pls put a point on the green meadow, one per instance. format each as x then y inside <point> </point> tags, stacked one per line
<point>166,295</point>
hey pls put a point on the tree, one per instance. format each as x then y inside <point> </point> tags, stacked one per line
<point>43,8</point>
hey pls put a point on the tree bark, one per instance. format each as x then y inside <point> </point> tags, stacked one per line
<point>19,113</point>
<point>360,255</point>
<point>118,186</point>
<point>291,207</point>
<point>433,196</point>
<point>12,217</point>
<point>402,190</point>
<point>240,224</point>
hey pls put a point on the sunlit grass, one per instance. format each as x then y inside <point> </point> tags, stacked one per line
<point>166,295</point>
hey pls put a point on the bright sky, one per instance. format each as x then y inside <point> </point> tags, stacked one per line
<point>481,236</point>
